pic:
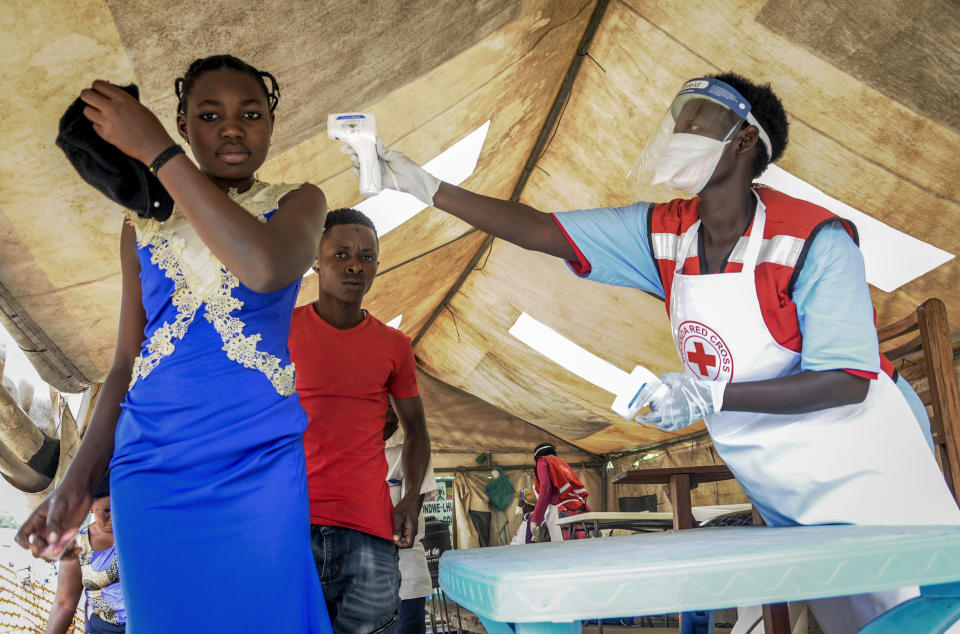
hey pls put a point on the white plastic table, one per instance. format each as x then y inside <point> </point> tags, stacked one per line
<point>644,520</point>
<point>552,587</point>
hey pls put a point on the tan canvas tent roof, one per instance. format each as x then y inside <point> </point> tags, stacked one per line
<point>870,91</point>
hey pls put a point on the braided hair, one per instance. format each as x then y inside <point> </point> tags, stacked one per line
<point>183,85</point>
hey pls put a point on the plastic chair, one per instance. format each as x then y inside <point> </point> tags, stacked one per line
<point>440,611</point>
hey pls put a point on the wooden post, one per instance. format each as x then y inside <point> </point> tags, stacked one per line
<point>776,618</point>
<point>680,498</point>
<point>942,379</point>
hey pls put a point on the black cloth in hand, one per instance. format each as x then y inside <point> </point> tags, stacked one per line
<point>117,176</point>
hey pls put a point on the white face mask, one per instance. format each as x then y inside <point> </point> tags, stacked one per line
<point>688,162</point>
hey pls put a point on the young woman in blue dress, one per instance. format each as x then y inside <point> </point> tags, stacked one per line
<point>198,418</point>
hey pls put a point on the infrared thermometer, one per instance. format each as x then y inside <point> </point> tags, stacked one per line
<point>636,391</point>
<point>359,131</point>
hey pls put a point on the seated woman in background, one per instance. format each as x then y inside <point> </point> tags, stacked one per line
<point>526,502</point>
<point>92,569</point>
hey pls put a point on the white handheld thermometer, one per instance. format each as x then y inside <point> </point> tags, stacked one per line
<point>638,390</point>
<point>359,131</point>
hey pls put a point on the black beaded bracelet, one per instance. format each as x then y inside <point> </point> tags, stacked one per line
<point>165,156</point>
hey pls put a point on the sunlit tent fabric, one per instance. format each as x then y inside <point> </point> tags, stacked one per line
<point>874,123</point>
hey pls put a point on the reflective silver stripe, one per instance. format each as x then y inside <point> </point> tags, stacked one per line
<point>664,245</point>
<point>564,487</point>
<point>783,250</point>
<point>737,254</point>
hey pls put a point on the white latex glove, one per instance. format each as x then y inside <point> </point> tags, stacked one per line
<point>687,401</point>
<point>399,173</point>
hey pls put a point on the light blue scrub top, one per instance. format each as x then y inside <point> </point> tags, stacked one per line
<point>833,302</point>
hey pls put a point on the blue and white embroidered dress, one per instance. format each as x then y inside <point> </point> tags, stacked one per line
<point>208,482</point>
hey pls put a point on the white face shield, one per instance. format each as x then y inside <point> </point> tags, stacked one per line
<point>687,145</point>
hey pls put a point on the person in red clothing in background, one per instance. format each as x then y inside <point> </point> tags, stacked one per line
<point>350,366</point>
<point>559,494</point>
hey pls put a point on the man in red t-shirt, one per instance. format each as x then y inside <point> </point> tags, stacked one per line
<point>350,366</point>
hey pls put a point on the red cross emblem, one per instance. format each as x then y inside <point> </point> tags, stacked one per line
<point>701,359</point>
<point>704,352</point>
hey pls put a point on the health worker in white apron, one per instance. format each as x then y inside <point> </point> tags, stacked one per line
<point>836,443</point>
<point>842,461</point>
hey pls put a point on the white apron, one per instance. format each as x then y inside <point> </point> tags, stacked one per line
<point>866,463</point>
<point>551,517</point>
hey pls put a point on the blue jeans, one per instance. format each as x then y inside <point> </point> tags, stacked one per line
<point>360,578</point>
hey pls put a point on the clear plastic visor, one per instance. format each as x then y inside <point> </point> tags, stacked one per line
<point>688,114</point>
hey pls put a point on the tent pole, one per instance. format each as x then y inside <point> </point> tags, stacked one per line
<point>604,484</point>
<point>53,366</point>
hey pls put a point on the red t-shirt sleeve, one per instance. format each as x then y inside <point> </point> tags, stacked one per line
<point>403,380</point>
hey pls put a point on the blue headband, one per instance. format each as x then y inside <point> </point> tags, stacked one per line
<point>725,94</point>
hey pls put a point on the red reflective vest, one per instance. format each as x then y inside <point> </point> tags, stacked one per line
<point>790,228</point>
<point>569,487</point>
